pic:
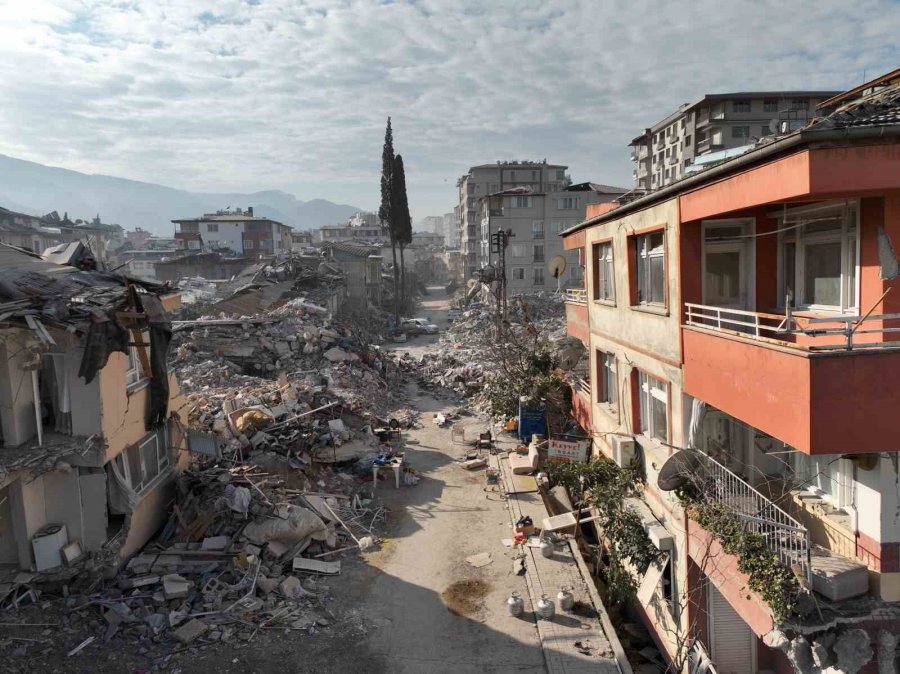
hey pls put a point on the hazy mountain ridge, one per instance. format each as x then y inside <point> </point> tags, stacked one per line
<point>38,189</point>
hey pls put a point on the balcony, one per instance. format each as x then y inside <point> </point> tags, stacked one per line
<point>807,381</point>
<point>576,296</point>
<point>709,145</point>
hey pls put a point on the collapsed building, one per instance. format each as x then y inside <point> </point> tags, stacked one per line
<point>89,414</point>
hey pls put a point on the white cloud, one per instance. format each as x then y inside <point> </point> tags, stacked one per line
<point>293,95</point>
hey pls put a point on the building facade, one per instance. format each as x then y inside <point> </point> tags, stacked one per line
<point>238,231</point>
<point>485,179</point>
<point>362,271</point>
<point>535,220</point>
<point>714,125</point>
<point>360,233</point>
<point>734,325</point>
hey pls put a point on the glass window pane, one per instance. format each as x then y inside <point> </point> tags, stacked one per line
<point>660,424</point>
<point>657,280</point>
<point>790,265</point>
<point>133,456</point>
<point>723,278</point>
<point>150,459</point>
<point>822,278</point>
<point>850,300</point>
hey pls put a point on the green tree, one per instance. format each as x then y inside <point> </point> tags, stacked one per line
<point>402,220</point>
<point>386,210</point>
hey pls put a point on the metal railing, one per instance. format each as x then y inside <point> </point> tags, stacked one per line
<point>836,333</point>
<point>576,295</point>
<point>783,534</point>
<point>583,385</point>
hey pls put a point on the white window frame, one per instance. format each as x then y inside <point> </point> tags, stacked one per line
<point>534,255</point>
<point>518,273</point>
<point>212,227</point>
<point>152,447</point>
<point>134,372</point>
<point>537,229</point>
<point>848,237</point>
<point>567,203</point>
<point>557,226</point>
<point>650,388</point>
<point>741,103</point>
<point>608,386</point>
<point>605,283</point>
<point>193,244</point>
<point>520,202</point>
<point>812,472</point>
<point>538,272</point>
<point>249,244</point>
<point>644,277</point>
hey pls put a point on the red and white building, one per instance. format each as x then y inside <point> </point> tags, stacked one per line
<point>235,230</point>
<point>750,315</point>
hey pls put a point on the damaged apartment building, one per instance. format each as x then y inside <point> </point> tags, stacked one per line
<point>742,332</point>
<point>88,415</point>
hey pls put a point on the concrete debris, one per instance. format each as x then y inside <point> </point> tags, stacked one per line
<point>190,631</point>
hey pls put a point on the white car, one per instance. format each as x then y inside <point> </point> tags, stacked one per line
<point>422,325</point>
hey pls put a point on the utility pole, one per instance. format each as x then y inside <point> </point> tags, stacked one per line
<point>499,243</point>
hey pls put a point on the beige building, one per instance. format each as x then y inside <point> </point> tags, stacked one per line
<point>90,428</point>
<point>535,218</point>
<point>485,179</point>
<point>713,128</point>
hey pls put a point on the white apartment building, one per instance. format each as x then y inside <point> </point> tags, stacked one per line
<point>714,128</point>
<point>536,219</point>
<point>485,179</point>
<point>236,230</point>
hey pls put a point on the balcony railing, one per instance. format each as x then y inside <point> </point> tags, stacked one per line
<point>583,385</point>
<point>831,333</point>
<point>783,534</point>
<point>576,295</point>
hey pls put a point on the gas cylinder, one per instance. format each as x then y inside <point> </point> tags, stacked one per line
<point>565,599</point>
<point>546,548</point>
<point>515,605</point>
<point>545,607</point>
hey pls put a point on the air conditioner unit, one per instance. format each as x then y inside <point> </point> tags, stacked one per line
<point>622,450</point>
<point>47,544</point>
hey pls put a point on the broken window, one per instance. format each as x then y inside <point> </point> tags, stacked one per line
<point>650,267</point>
<point>654,407</point>
<point>604,284</point>
<point>607,382</point>
<point>133,372</point>
<point>142,463</point>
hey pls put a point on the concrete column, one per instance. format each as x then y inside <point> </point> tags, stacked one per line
<point>28,515</point>
<point>16,395</point>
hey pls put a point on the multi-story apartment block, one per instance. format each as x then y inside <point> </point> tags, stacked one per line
<point>713,125</point>
<point>237,230</point>
<point>535,218</point>
<point>741,329</point>
<point>486,179</point>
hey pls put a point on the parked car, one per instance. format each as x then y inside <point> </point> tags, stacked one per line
<point>419,326</point>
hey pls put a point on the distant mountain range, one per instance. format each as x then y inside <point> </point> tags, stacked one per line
<point>37,189</point>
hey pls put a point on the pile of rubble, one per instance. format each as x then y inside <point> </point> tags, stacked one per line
<point>242,553</point>
<point>464,356</point>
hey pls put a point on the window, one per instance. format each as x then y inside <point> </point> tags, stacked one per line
<point>517,250</point>
<point>607,382</point>
<point>741,105</point>
<point>650,268</point>
<point>520,202</point>
<point>828,475</point>
<point>494,187</point>
<point>818,258</point>
<point>537,229</point>
<point>687,141</point>
<point>193,244</point>
<point>212,227</point>
<point>770,105</point>
<point>248,244</point>
<point>142,463</point>
<point>518,273</point>
<point>538,276</point>
<point>567,203</point>
<point>537,252</point>
<point>740,132</point>
<point>604,285</point>
<point>800,104</point>
<point>560,174</point>
<point>212,243</point>
<point>133,372</point>
<point>557,227</point>
<point>654,407</point>
<point>471,188</point>
<point>764,131</point>
<point>534,175</point>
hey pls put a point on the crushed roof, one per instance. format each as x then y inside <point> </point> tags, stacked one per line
<point>879,109</point>
<point>353,248</point>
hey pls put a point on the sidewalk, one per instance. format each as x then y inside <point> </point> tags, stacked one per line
<point>546,576</point>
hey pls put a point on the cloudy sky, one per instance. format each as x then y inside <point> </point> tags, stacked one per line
<point>293,94</point>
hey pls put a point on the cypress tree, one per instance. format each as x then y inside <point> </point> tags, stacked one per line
<point>386,210</point>
<point>402,220</point>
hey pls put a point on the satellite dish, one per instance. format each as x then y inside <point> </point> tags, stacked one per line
<point>677,470</point>
<point>774,125</point>
<point>569,353</point>
<point>556,266</point>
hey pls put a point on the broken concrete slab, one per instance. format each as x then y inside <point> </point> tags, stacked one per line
<point>175,586</point>
<point>215,543</point>
<point>316,566</point>
<point>190,631</point>
<point>336,355</point>
<point>479,560</point>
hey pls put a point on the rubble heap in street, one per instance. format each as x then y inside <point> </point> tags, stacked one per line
<point>464,356</point>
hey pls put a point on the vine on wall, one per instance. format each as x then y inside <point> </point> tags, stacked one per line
<point>605,486</point>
